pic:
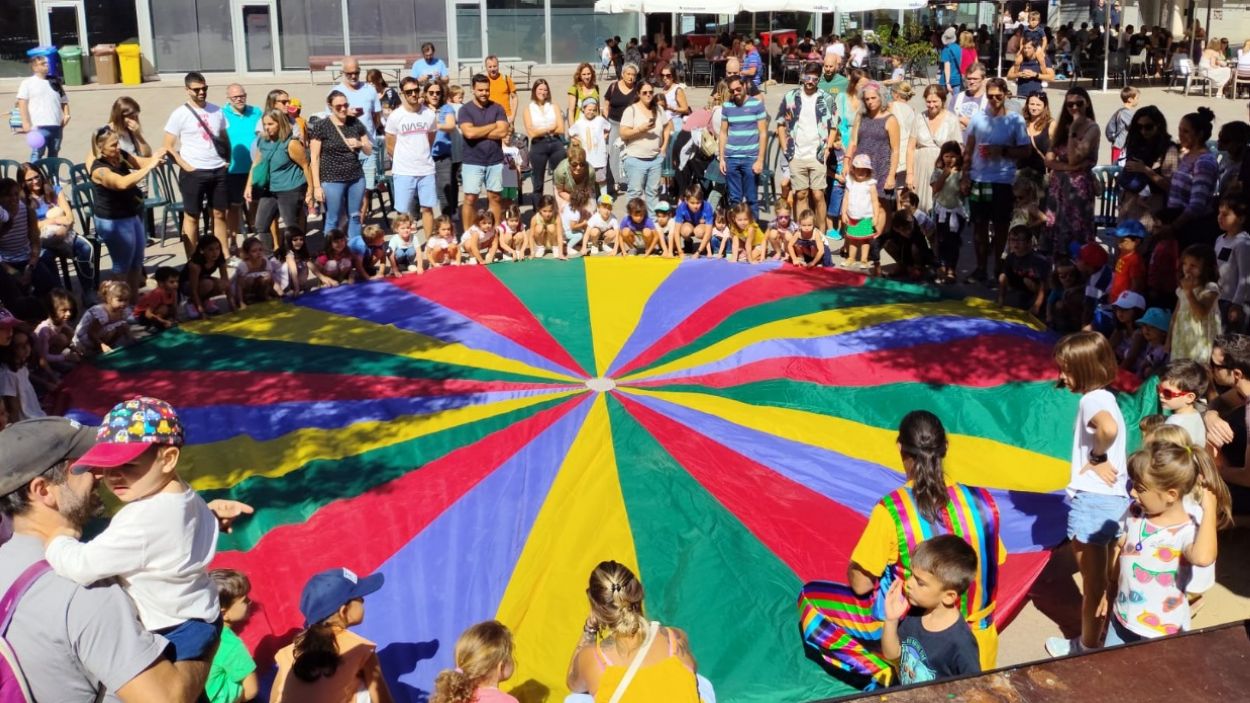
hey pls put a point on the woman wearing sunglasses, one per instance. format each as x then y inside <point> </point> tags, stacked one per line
<point>1071,159</point>
<point>337,177</point>
<point>446,167</point>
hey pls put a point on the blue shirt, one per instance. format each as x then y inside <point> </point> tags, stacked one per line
<point>367,99</point>
<point>952,54</point>
<point>442,140</point>
<point>241,128</point>
<point>753,59</point>
<point>703,217</point>
<point>744,128</point>
<point>1005,130</point>
<point>422,68</point>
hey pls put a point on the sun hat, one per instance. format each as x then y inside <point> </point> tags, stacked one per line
<point>1129,300</point>
<point>862,161</point>
<point>130,429</point>
<point>31,447</point>
<point>1157,318</point>
<point>329,590</point>
<point>663,206</point>
<point>949,36</point>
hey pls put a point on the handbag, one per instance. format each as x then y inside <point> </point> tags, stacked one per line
<point>636,664</point>
<point>260,170</point>
<point>220,144</point>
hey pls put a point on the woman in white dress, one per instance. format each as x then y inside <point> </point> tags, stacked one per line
<point>931,129</point>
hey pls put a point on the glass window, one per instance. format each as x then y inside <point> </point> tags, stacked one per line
<point>193,35</point>
<point>309,28</point>
<point>20,34</point>
<point>469,31</point>
<point>516,29</point>
<point>389,27</point>
<point>111,22</point>
<point>582,31</point>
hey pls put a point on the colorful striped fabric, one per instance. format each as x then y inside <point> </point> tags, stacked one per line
<point>835,622</point>
<point>483,436</point>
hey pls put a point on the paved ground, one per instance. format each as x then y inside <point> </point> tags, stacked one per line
<point>1055,600</point>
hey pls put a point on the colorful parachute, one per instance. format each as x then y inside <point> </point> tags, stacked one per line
<point>485,435</point>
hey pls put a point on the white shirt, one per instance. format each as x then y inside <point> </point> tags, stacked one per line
<point>414,133</point>
<point>542,117</point>
<point>42,101</point>
<point>593,135</point>
<point>806,134</point>
<point>596,221</point>
<point>159,548</point>
<point>16,384</point>
<point>837,49</point>
<point>195,145</point>
<point>1091,404</point>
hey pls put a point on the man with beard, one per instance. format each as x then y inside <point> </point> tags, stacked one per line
<point>74,643</point>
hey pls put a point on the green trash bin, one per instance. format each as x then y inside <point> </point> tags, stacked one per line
<point>71,64</point>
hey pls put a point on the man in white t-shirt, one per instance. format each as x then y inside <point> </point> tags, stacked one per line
<point>971,100</point>
<point>44,107</point>
<point>193,133</point>
<point>836,47</point>
<point>410,132</point>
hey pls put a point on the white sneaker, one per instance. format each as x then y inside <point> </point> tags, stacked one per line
<point>605,249</point>
<point>1062,646</point>
<point>574,253</point>
<point>540,252</point>
<point>505,257</point>
<point>472,262</point>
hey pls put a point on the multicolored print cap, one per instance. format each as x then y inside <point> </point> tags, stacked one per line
<point>129,429</point>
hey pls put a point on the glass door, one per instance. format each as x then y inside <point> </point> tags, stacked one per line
<point>62,23</point>
<point>470,31</point>
<point>255,25</point>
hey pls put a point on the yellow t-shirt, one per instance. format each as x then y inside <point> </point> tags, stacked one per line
<point>753,236</point>
<point>878,548</point>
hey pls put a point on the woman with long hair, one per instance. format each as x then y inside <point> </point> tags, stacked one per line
<point>278,179</point>
<point>124,120</point>
<point>338,180</point>
<point>544,123</point>
<point>446,168</point>
<point>1151,157</point>
<point>1070,161</point>
<point>584,86</point>
<point>56,225</point>
<point>930,130</point>
<point>1190,212</point>
<point>1037,125</point>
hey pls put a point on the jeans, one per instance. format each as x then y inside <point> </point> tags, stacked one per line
<point>642,177</point>
<point>125,240</point>
<point>544,152</point>
<point>82,253</point>
<point>615,174</point>
<point>740,180</point>
<point>51,144</point>
<point>1118,634</point>
<point>346,196</point>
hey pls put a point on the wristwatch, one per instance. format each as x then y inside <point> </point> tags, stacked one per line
<point>1097,458</point>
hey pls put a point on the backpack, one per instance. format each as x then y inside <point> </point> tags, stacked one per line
<point>13,686</point>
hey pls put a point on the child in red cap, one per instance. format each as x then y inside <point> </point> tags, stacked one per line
<point>159,544</point>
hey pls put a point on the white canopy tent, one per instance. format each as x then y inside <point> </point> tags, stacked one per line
<point>733,7</point>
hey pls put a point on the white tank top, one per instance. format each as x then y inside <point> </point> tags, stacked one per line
<point>670,101</point>
<point>542,117</point>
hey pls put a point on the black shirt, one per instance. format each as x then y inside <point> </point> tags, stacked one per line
<point>929,656</point>
<point>338,163</point>
<point>618,100</point>
<point>113,204</point>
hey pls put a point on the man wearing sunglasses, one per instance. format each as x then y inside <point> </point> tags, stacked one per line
<point>242,121</point>
<point>410,132</point>
<point>194,133</point>
<point>807,128</point>
<point>743,134</point>
<point>996,138</point>
<point>362,98</point>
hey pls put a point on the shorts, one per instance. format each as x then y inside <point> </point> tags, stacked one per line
<point>1094,518</point>
<point>192,640</point>
<point>235,184</point>
<point>414,190</point>
<point>991,202</point>
<point>808,174</point>
<point>474,178</point>
<point>201,183</point>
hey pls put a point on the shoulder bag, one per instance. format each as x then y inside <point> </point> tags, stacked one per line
<point>220,144</point>
<point>636,664</point>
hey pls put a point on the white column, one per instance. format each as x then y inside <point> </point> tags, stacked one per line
<point>147,44</point>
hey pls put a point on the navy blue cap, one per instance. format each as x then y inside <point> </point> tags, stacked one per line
<point>329,590</point>
<point>1131,228</point>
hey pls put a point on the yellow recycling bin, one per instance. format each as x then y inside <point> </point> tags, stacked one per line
<point>131,64</point>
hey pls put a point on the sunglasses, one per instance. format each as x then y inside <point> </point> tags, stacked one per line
<point>127,114</point>
<point>1169,394</point>
<point>645,93</point>
<point>200,89</point>
<point>810,78</point>
<point>666,75</point>
<point>412,91</point>
<point>433,92</point>
<point>339,106</point>
<point>996,96</point>
<point>287,101</point>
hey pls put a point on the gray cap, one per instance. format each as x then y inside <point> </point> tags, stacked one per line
<point>31,447</point>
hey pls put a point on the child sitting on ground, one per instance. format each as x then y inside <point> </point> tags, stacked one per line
<point>1149,353</point>
<point>53,335</point>
<point>297,259</point>
<point>257,277</point>
<point>546,229</point>
<point>1127,310</point>
<point>574,220</point>
<point>105,326</point>
<point>512,235</point>
<point>862,215</point>
<point>481,241</point>
<point>405,249</point>
<point>161,540</point>
<point>158,308</point>
<point>1065,297</point>
<point>198,282</point>
<point>745,235</point>
<point>934,640</point>
<point>603,228</point>
<point>905,244</point>
<point>694,219</point>
<point>807,248</point>
<point>338,264</point>
<point>440,247</point>
<point>713,242</point>
<point>1022,283</point>
<point>484,659</point>
<point>664,229</point>
<point>637,230</point>
<point>781,230</point>
<point>379,260</point>
<point>232,676</point>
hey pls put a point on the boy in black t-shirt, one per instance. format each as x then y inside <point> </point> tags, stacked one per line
<point>934,641</point>
<point>1022,284</point>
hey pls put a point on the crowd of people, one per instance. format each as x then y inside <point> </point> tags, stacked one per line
<point>862,179</point>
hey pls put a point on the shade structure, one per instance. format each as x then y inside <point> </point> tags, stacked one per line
<point>731,7</point>
<point>485,435</point>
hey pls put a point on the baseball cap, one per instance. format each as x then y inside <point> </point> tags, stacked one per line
<point>328,590</point>
<point>31,447</point>
<point>7,319</point>
<point>862,161</point>
<point>1129,300</point>
<point>605,199</point>
<point>130,429</point>
<point>1158,318</point>
<point>663,206</point>
<point>1093,256</point>
<point>1130,228</point>
<point>590,101</point>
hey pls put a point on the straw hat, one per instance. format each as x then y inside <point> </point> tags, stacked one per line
<point>949,36</point>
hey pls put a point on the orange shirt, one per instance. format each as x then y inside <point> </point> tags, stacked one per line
<point>501,89</point>
<point>358,669</point>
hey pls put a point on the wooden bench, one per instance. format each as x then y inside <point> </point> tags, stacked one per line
<point>392,66</point>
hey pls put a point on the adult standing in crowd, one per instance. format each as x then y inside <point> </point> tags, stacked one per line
<point>118,209</point>
<point>619,95</point>
<point>279,99</point>
<point>831,79</point>
<point>1151,157</point>
<point>124,120</point>
<point>544,123</point>
<point>752,65</point>
<point>950,62</point>
<point>336,144</point>
<point>905,117</point>
<point>806,130</point>
<point>996,140</point>
<point>75,643</point>
<point>1073,154</point>
<point>645,129</point>
<point>932,128</point>
<point>876,133</point>
<point>1029,70</point>
<point>584,86</point>
<point>675,104</point>
<point>1191,212</point>
<point>743,134</point>
<point>484,125</point>
<point>410,134</point>
<point>1037,124</point>
<point>502,89</point>
<point>195,135</point>
<point>278,182</point>
<point>242,123</point>
<point>429,67</point>
<point>446,168</point>
<point>44,108</point>
<point>972,99</point>
<point>364,104</point>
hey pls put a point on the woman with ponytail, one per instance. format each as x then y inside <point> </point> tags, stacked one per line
<point>929,504</point>
<point>483,660</point>
<point>615,633</point>
<point>328,663</point>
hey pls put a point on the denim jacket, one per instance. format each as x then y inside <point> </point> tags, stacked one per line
<point>826,114</point>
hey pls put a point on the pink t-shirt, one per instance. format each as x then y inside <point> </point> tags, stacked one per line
<point>492,695</point>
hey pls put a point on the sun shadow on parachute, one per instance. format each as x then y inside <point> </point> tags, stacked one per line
<point>401,658</point>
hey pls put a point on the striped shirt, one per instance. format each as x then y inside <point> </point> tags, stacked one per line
<point>15,237</point>
<point>1193,184</point>
<point>744,128</point>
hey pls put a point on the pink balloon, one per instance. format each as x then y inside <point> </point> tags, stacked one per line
<point>35,140</point>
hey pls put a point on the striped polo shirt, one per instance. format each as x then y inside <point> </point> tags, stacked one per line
<point>744,129</point>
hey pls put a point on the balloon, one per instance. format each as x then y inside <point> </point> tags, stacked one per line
<point>35,139</point>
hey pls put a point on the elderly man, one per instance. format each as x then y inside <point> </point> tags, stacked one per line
<point>242,121</point>
<point>807,128</point>
<point>743,134</point>
<point>72,641</point>
<point>502,89</point>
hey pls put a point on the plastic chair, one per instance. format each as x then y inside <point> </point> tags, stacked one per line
<point>384,183</point>
<point>1138,61</point>
<point>60,171</point>
<point>1108,195</point>
<point>767,180</point>
<point>165,189</point>
<point>82,200</point>
<point>158,197</point>
<point>8,168</point>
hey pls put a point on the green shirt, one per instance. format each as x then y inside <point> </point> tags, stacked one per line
<point>836,85</point>
<point>232,664</point>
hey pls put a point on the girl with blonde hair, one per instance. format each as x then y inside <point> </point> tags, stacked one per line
<point>484,659</point>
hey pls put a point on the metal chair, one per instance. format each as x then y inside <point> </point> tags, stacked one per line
<point>1199,75</point>
<point>789,66</point>
<point>1108,195</point>
<point>700,67</point>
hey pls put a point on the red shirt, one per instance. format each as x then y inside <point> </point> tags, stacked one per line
<point>1128,268</point>
<point>154,299</point>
